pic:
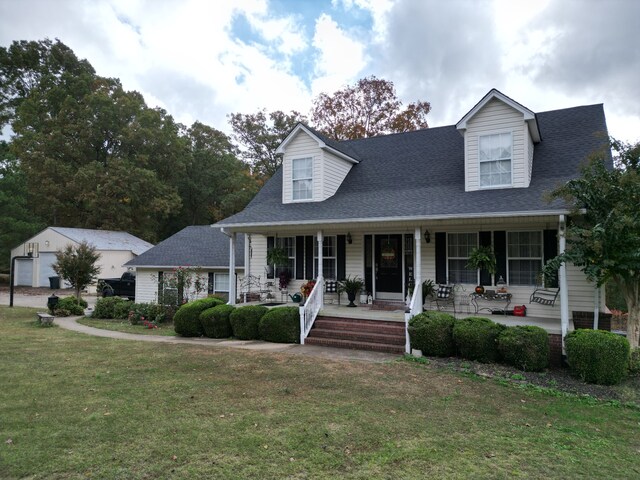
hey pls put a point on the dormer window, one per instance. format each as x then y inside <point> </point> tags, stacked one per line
<point>495,160</point>
<point>302,177</point>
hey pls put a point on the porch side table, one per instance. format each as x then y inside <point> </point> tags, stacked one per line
<point>501,302</point>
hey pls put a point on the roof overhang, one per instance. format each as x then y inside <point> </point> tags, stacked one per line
<point>529,116</point>
<point>300,127</point>
<point>425,218</point>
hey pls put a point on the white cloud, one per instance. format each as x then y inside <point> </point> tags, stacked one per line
<point>341,57</point>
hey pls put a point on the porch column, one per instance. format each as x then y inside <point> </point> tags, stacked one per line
<point>564,293</point>
<point>232,269</point>
<point>320,270</point>
<point>417,268</point>
<point>247,254</point>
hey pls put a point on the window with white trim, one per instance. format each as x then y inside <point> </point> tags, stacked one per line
<point>218,284</point>
<point>329,258</point>
<point>459,247</point>
<point>302,176</point>
<point>494,156</point>
<point>524,257</point>
<point>289,244</point>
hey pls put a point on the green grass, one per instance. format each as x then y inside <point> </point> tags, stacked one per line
<point>76,406</point>
<point>125,326</point>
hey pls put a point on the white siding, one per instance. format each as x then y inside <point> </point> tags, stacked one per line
<point>146,285</point>
<point>495,117</point>
<point>335,170</point>
<point>302,146</point>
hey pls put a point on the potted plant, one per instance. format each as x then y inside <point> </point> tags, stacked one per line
<point>482,258</point>
<point>276,257</point>
<point>428,289</point>
<point>351,286</point>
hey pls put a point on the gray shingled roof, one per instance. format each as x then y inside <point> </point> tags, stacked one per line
<point>420,174</point>
<point>105,239</point>
<point>199,245</point>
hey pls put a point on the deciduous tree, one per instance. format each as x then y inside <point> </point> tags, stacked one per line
<point>366,109</point>
<point>77,265</point>
<point>259,135</point>
<point>605,241</point>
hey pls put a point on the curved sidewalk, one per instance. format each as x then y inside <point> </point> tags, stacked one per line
<point>71,323</point>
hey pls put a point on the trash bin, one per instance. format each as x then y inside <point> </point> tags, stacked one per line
<point>54,283</point>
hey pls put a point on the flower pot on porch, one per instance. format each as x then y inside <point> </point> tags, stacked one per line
<point>351,296</point>
<point>479,289</point>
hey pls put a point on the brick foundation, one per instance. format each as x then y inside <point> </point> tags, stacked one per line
<point>555,350</point>
<point>585,320</point>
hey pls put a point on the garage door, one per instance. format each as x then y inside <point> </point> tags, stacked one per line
<point>46,270</point>
<point>24,272</point>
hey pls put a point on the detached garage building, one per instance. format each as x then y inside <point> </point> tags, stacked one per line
<point>115,248</point>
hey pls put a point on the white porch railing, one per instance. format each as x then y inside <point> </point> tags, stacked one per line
<point>413,309</point>
<point>309,311</point>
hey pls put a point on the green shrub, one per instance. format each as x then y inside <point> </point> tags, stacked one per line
<point>634,362</point>
<point>432,332</point>
<point>280,325</point>
<point>215,321</point>
<point>152,312</point>
<point>476,338</point>
<point>70,306</point>
<point>597,356</point>
<point>112,307</point>
<point>245,321</point>
<point>186,321</point>
<point>525,347</point>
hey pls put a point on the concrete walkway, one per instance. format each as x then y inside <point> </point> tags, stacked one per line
<point>71,323</point>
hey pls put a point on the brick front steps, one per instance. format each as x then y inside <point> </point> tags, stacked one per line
<point>358,334</point>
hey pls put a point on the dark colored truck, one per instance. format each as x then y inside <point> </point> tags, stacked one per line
<point>125,286</point>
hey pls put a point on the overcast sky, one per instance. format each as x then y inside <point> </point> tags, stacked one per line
<point>204,59</point>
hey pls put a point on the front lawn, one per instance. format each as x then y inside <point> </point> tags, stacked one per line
<point>124,326</point>
<point>75,406</point>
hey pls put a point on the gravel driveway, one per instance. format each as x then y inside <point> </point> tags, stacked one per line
<point>37,297</point>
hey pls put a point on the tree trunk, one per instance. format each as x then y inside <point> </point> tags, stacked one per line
<point>631,294</point>
<point>78,294</point>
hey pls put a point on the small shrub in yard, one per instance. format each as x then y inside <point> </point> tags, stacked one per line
<point>525,347</point>
<point>281,325</point>
<point>476,338</point>
<point>215,321</point>
<point>70,306</point>
<point>245,321</point>
<point>186,321</point>
<point>149,312</point>
<point>597,356</point>
<point>112,307</point>
<point>432,332</point>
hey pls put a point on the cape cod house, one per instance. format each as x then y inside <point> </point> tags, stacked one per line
<point>399,209</point>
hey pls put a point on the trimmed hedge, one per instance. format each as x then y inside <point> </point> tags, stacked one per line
<point>525,347</point>
<point>597,356</point>
<point>70,306</point>
<point>215,321</point>
<point>112,307</point>
<point>186,321</point>
<point>634,362</point>
<point>432,333</point>
<point>245,321</point>
<point>280,325</point>
<point>476,338</point>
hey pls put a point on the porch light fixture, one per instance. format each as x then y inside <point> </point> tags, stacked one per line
<point>349,239</point>
<point>427,236</point>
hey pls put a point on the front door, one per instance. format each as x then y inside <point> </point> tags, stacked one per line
<point>388,266</point>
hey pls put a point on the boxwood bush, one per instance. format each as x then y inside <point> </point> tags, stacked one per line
<point>634,362</point>
<point>525,347</point>
<point>245,321</point>
<point>281,325</point>
<point>597,356</point>
<point>70,306</point>
<point>186,321</point>
<point>432,332</point>
<point>476,338</point>
<point>112,307</point>
<point>215,321</point>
